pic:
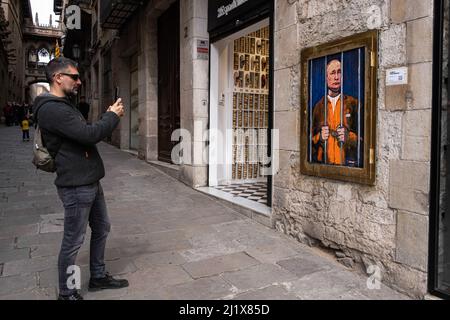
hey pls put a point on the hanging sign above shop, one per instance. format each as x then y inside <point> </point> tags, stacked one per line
<point>224,10</point>
<point>226,13</point>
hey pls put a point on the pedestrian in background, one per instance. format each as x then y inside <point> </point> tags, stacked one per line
<point>25,125</point>
<point>7,111</point>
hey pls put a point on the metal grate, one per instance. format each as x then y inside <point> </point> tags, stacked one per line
<point>250,105</point>
<point>114,13</point>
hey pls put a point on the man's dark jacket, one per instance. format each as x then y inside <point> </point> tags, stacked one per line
<point>71,141</point>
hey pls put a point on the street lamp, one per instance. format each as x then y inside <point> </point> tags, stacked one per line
<point>76,51</point>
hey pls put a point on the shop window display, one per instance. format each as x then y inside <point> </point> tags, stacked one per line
<point>250,104</point>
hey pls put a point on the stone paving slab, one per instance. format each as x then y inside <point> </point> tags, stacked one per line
<point>28,212</point>
<point>17,284</point>
<point>167,239</point>
<point>147,279</point>
<point>39,239</point>
<point>48,278</point>
<point>220,264</point>
<point>272,253</point>
<point>201,289</point>
<point>111,254</point>
<point>7,244</point>
<point>260,276</point>
<point>277,292</point>
<point>15,254</point>
<point>302,266</point>
<point>46,250</point>
<point>8,231</point>
<point>210,251</point>
<point>121,266</point>
<point>12,220</point>
<point>18,267</point>
<point>37,294</point>
<point>159,258</point>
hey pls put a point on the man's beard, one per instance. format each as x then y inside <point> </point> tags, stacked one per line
<point>71,93</point>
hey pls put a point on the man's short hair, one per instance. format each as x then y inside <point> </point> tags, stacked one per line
<point>334,59</point>
<point>58,65</point>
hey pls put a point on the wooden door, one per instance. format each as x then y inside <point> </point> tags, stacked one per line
<point>168,80</point>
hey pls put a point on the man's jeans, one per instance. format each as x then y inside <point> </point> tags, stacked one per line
<point>82,205</point>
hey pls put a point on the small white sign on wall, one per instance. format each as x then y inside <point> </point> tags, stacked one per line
<point>203,49</point>
<point>397,76</point>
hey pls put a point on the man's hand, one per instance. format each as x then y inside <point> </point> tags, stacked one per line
<point>325,133</point>
<point>342,134</point>
<point>117,108</point>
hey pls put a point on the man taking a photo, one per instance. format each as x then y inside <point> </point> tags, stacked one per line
<point>79,168</point>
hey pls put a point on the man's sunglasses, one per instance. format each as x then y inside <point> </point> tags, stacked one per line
<point>74,77</point>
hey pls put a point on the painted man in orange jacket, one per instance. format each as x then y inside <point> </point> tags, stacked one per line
<point>335,134</point>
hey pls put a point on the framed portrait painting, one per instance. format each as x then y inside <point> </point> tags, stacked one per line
<point>338,109</point>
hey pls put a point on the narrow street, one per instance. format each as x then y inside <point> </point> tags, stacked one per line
<point>168,240</point>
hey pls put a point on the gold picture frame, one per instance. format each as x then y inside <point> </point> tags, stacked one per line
<point>338,141</point>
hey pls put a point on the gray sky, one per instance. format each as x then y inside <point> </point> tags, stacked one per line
<point>44,9</point>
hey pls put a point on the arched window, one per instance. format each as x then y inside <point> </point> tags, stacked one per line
<point>32,58</point>
<point>43,56</point>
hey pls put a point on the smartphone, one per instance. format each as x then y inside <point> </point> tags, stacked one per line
<point>116,94</point>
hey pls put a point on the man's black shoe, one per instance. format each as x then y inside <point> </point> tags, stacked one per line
<point>75,296</point>
<point>108,282</point>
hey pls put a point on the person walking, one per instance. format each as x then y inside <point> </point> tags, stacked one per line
<point>25,125</point>
<point>7,111</point>
<point>79,169</point>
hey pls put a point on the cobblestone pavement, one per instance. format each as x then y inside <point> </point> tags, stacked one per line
<point>168,240</point>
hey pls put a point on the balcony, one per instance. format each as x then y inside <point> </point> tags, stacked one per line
<point>114,13</point>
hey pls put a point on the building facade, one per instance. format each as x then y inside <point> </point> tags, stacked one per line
<point>15,11</point>
<point>4,63</point>
<point>27,46</point>
<point>39,44</point>
<point>239,77</point>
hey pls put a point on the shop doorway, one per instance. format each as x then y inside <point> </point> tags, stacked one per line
<point>168,80</point>
<point>240,113</point>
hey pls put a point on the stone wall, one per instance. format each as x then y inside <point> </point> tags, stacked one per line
<point>3,81</point>
<point>148,80</point>
<point>17,71</point>
<point>386,224</point>
<point>194,89</point>
<point>3,69</point>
